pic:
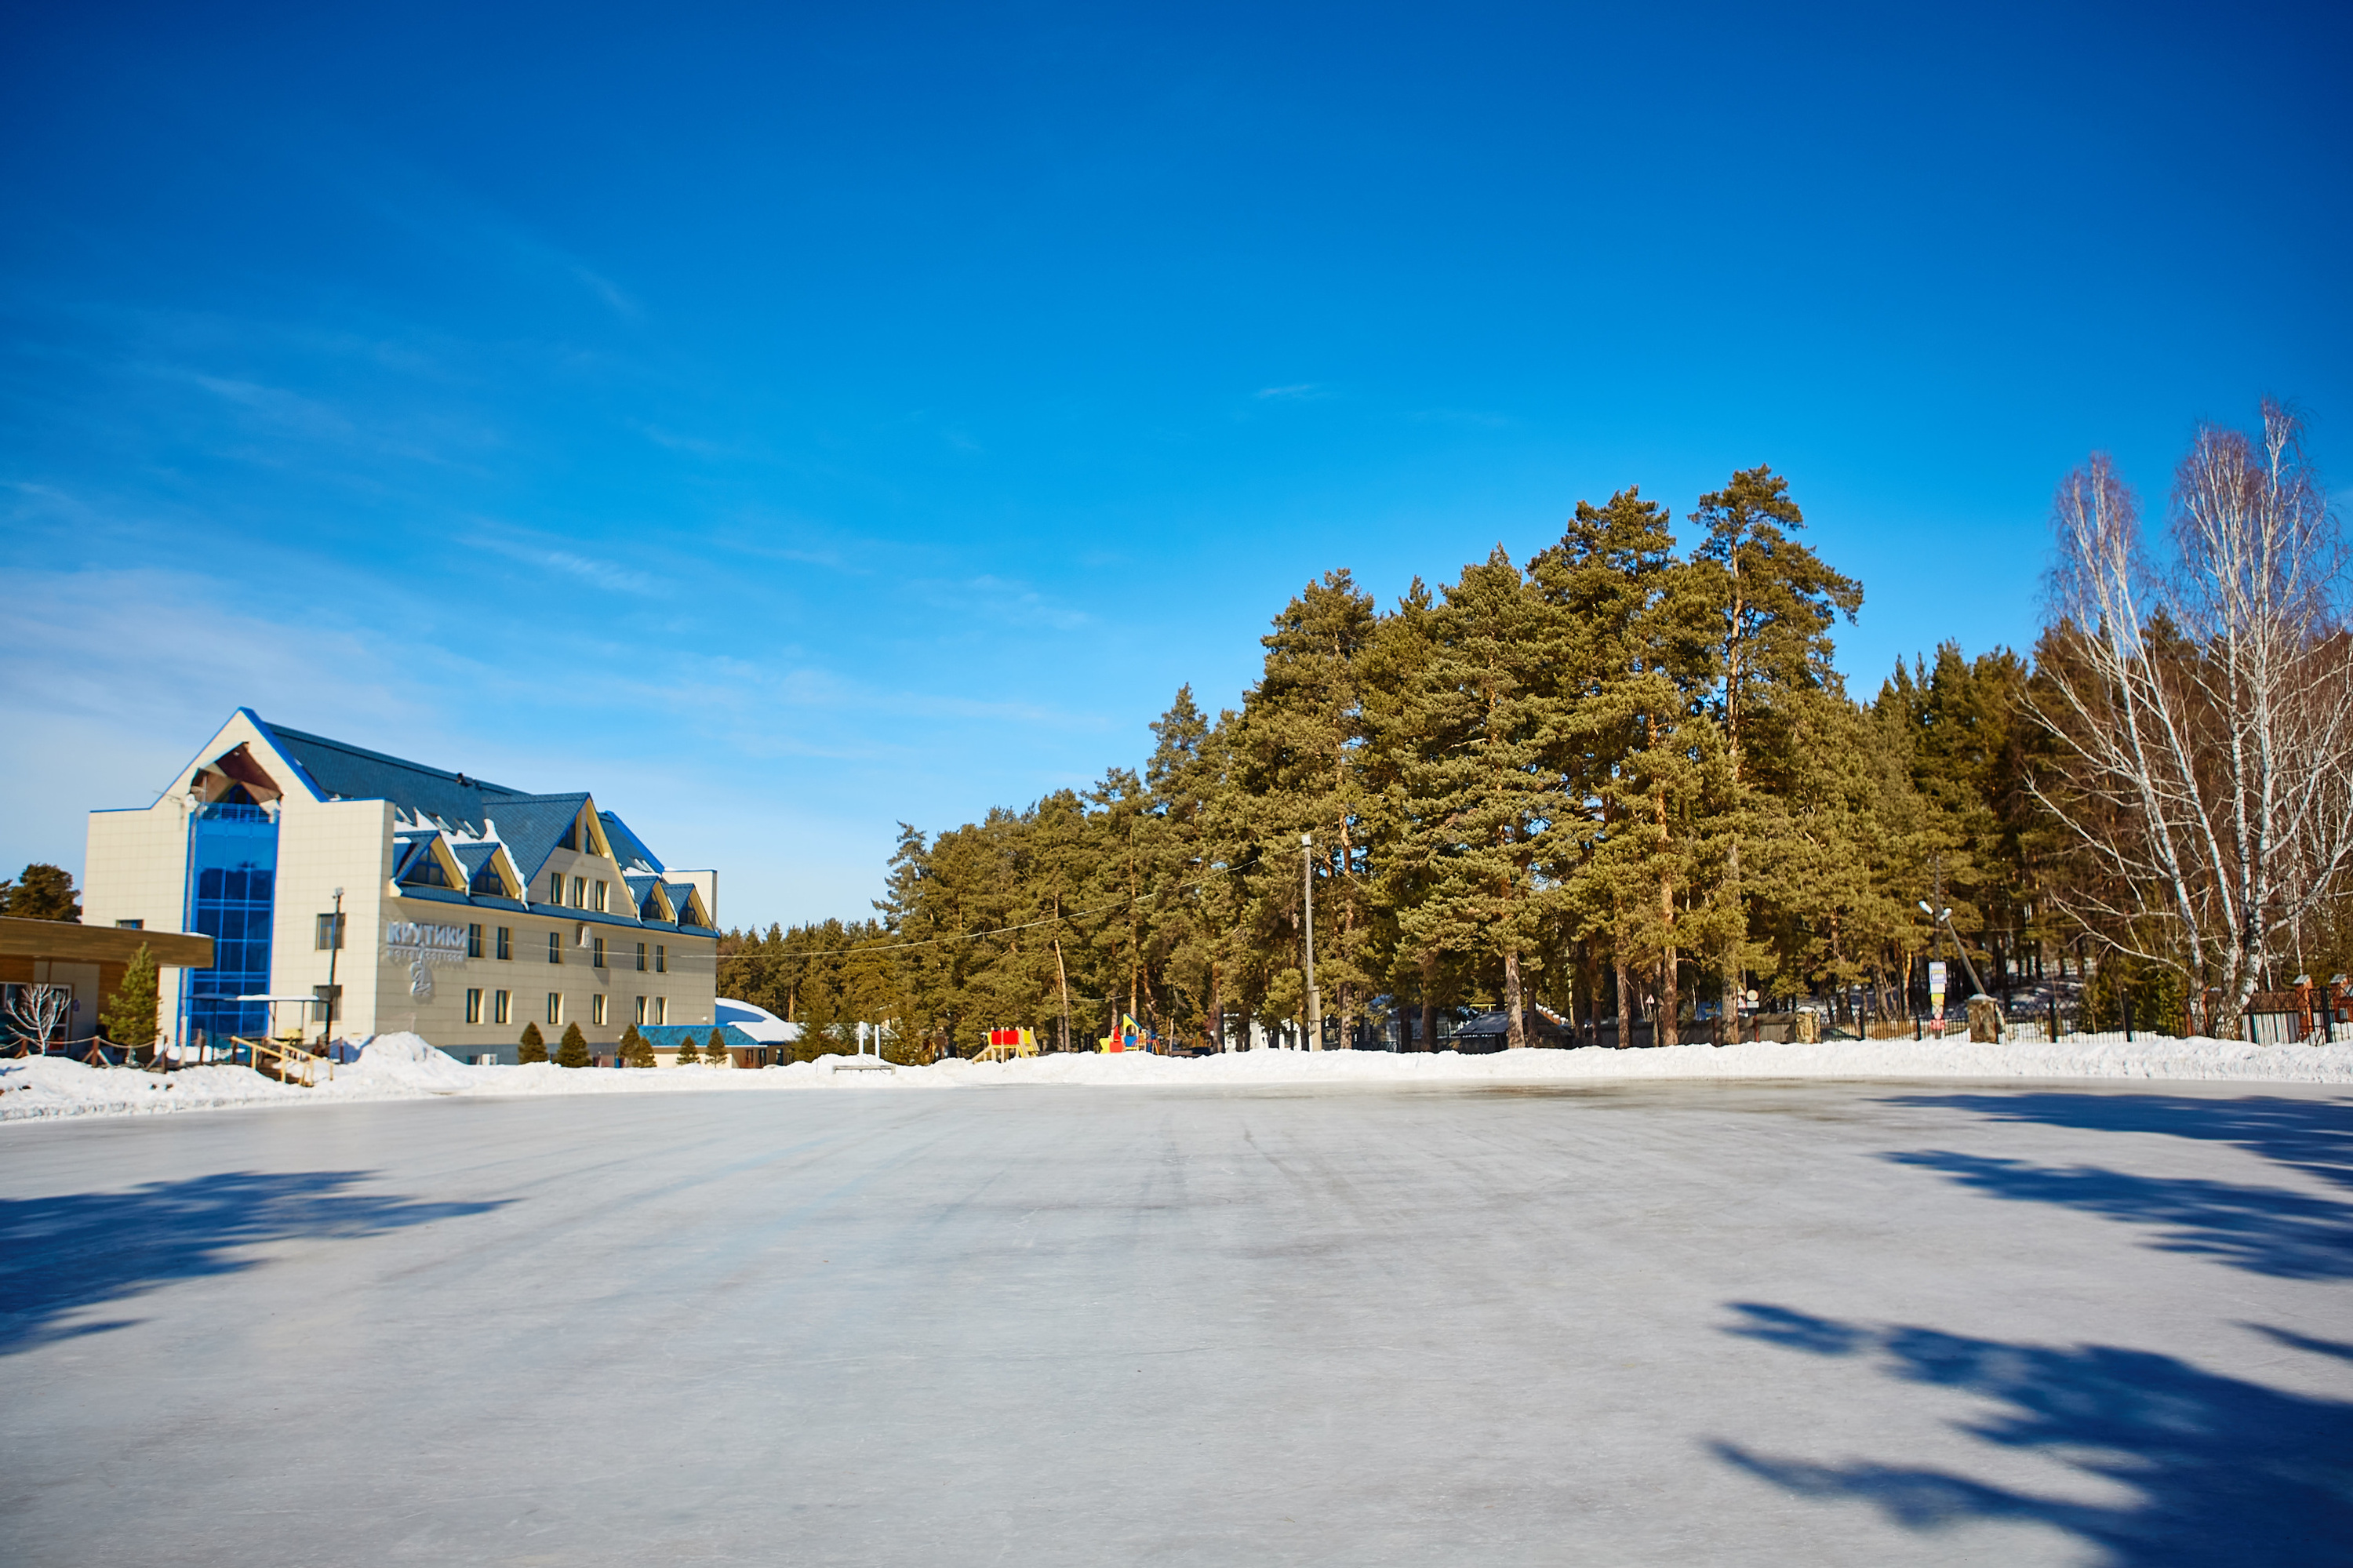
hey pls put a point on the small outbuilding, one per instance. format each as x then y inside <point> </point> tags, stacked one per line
<point>87,961</point>
<point>1492,1032</point>
<point>743,1051</point>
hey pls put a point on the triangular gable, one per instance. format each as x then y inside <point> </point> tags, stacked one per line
<point>652,902</point>
<point>587,834</point>
<point>428,862</point>
<point>687,900</point>
<point>241,761</point>
<point>489,872</point>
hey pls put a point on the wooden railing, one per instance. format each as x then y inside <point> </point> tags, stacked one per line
<point>286,1062</point>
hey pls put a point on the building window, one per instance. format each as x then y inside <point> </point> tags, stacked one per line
<point>662,959</point>
<point>131,925</point>
<point>580,893</point>
<point>329,1001</point>
<point>641,958</point>
<point>506,941</point>
<point>502,1006</point>
<point>473,1004</point>
<point>599,904</point>
<point>425,869</point>
<point>331,932</point>
<point>662,1009</point>
<point>555,1007</point>
<point>598,950</point>
<point>474,945</point>
<point>555,887</point>
<point>596,1010</point>
<point>642,1009</point>
<point>556,946</point>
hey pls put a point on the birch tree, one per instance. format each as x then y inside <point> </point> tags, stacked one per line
<point>2204,711</point>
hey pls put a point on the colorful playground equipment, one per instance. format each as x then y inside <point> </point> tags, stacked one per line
<point>1132,1036</point>
<point>1006,1043</point>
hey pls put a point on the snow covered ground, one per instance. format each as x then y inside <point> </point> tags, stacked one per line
<point>403,1066</point>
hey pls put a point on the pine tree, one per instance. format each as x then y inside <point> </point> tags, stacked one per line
<point>688,1052</point>
<point>1486,797</point>
<point>131,1012</point>
<point>534,1047</point>
<point>41,892</point>
<point>635,1051</point>
<point>1629,743</point>
<point>574,1051</point>
<point>1301,753</point>
<point>1768,604</point>
<point>715,1050</point>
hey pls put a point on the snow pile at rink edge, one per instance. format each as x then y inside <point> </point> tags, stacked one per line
<point>404,1067</point>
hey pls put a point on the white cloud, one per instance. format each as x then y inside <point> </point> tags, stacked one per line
<point>593,570</point>
<point>108,678</point>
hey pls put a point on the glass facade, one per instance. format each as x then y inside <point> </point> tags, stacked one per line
<point>232,882</point>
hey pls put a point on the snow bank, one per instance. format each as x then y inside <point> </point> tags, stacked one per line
<point>2147,1057</point>
<point>407,1060</point>
<point>404,1067</point>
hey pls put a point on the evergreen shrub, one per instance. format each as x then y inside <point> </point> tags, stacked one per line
<point>2160,998</point>
<point>573,1052</point>
<point>534,1044</point>
<point>131,1014</point>
<point>715,1048</point>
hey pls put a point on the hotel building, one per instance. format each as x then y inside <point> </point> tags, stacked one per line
<point>466,910</point>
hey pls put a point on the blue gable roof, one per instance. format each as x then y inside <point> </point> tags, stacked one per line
<point>627,848</point>
<point>530,825</point>
<point>354,774</point>
<point>668,1036</point>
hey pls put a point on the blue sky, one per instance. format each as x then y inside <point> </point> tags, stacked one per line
<point>787,421</point>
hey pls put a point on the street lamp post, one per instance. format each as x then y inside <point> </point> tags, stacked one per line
<point>1307,884</point>
<point>1959,947</point>
<point>334,949</point>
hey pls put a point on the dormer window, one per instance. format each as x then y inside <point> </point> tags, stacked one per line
<point>425,869</point>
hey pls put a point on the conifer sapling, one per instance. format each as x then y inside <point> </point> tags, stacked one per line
<point>131,1014</point>
<point>534,1044</point>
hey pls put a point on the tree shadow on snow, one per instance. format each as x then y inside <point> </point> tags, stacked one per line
<point>58,1255</point>
<point>2220,1470</point>
<point>2265,1230</point>
<point>2314,1135</point>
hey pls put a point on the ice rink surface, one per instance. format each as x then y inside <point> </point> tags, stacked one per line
<point>1665,1323</point>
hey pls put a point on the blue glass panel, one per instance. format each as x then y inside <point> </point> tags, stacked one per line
<point>233,857</point>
